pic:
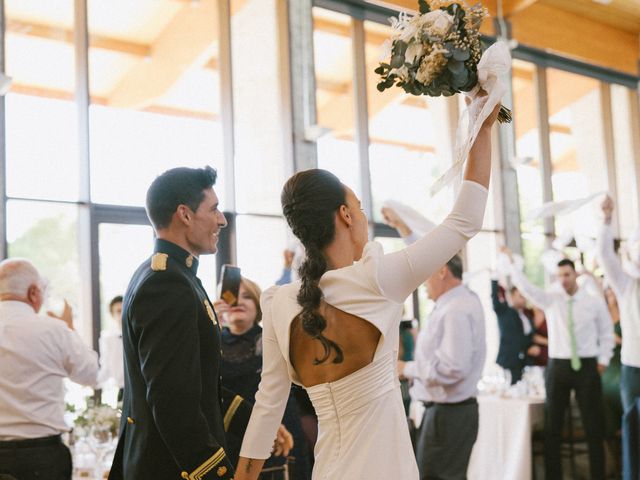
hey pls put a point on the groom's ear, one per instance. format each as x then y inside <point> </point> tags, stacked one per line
<point>183,214</point>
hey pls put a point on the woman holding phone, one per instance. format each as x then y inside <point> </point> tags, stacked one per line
<point>242,364</point>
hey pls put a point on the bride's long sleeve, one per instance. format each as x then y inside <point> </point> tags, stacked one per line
<point>400,273</point>
<point>273,391</point>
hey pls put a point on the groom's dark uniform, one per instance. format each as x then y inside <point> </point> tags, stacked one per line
<point>175,412</point>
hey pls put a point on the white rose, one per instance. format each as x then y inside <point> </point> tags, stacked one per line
<point>414,50</point>
<point>437,22</point>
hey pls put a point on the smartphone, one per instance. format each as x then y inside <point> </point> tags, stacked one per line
<point>230,285</point>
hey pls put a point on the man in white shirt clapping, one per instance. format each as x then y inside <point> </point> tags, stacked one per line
<point>37,352</point>
<point>581,343</point>
<point>449,357</point>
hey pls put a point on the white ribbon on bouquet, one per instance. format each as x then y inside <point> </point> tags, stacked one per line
<point>495,61</point>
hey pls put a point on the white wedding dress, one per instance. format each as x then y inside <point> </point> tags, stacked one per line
<point>363,430</point>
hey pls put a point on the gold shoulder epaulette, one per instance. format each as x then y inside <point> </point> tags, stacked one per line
<point>159,262</point>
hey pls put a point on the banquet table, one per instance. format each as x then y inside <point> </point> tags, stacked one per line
<point>503,448</point>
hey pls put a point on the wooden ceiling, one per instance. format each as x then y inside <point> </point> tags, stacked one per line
<point>607,35</point>
<point>622,14</point>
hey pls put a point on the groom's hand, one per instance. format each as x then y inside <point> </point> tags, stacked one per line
<point>283,443</point>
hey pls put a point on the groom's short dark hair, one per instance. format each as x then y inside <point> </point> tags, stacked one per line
<point>178,186</point>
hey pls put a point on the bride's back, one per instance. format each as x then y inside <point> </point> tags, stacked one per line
<point>357,338</point>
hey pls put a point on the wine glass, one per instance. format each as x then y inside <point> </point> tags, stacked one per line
<point>100,440</point>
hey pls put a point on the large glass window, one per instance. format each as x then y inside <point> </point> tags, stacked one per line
<point>155,94</point>
<point>261,243</point>
<point>122,250</point>
<point>41,117</point>
<point>578,153</point>
<point>259,131</point>
<point>625,159</point>
<point>47,235</point>
<point>527,164</point>
<point>335,102</point>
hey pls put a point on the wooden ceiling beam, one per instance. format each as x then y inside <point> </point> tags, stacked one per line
<point>332,86</point>
<point>415,147</point>
<point>50,32</point>
<point>172,56</point>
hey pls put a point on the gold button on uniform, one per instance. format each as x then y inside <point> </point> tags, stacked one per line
<point>184,475</point>
<point>221,471</point>
<point>130,420</point>
<point>189,261</point>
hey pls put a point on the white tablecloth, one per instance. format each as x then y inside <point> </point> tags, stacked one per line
<point>503,448</point>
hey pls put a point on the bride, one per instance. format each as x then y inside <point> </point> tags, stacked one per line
<point>336,330</point>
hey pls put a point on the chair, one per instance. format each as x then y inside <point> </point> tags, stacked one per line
<point>574,440</point>
<point>283,472</point>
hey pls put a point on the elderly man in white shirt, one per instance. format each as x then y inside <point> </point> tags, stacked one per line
<point>627,290</point>
<point>37,353</point>
<point>581,342</point>
<point>449,358</point>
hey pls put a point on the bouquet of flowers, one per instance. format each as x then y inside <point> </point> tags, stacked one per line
<point>436,52</point>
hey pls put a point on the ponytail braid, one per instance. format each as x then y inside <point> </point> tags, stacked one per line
<point>309,298</point>
<point>310,200</point>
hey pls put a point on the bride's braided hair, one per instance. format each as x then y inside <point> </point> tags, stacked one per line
<point>310,200</point>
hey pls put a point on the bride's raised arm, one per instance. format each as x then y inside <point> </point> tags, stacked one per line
<point>400,273</point>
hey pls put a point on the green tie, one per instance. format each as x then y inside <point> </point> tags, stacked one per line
<point>575,359</point>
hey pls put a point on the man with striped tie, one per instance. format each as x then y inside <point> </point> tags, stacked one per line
<point>581,343</point>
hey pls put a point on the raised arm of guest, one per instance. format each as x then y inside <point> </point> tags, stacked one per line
<point>606,334</point>
<point>392,219</point>
<point>537,296</point>
<point>607,258</point>
<point>285,277</point>
<point>499,303</point>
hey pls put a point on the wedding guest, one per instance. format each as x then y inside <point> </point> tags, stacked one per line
<point>516,329</point>
<point>449,358</point>
<point>611,380</point>
<point>627,291</point>
<point>174,405</point>
<point>36,353</point>
<point>405,354</point>
<point>241,367</point>
<point>538,352</point>
<point>581,344</point>
<point>111,361</point>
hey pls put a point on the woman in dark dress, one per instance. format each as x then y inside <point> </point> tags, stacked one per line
<point>241,367</point>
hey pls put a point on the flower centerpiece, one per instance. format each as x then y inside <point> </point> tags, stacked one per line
<point>98,417</point>
<point>436,52</point>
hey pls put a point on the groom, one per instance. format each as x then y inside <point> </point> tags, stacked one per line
<point>175,413</point>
